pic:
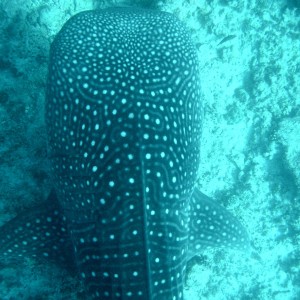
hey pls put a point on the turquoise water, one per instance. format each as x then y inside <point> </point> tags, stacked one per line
<point>248,53</point>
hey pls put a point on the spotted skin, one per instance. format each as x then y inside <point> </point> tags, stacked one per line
<point>39,233</point>
<point>124,120</point>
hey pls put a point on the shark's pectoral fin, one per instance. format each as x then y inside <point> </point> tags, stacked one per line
<point>39,232</point>
<point>212,225</point>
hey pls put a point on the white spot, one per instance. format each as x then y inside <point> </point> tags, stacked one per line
<point>130,156</point>
<point>111,183</point>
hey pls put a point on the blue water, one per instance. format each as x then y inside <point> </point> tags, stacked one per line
<point>249,64</point>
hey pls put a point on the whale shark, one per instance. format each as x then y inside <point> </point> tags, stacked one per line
<point>124,113</point>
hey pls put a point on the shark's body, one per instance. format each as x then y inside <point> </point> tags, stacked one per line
<point>124,119</point>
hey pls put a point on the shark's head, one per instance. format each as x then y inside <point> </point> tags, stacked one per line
<point>124,124</point>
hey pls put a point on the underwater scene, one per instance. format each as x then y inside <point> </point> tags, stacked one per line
<point>149,149</point>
